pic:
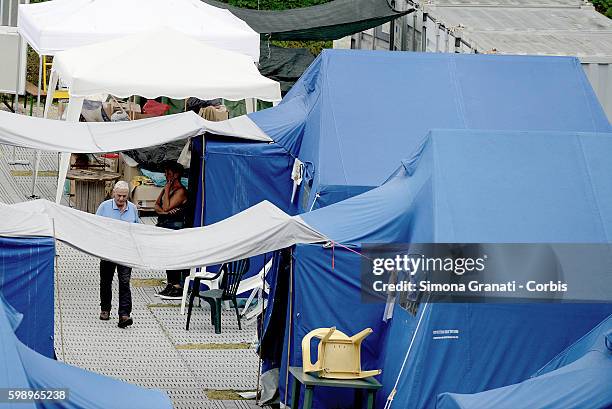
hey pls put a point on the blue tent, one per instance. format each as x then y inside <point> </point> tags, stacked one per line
<point>579,377</point>
<point>353,115</point>
<point>523,187</point>
<point>24,368</point>
<point>26,282</point>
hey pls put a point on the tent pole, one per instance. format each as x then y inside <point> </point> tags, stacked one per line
<point>37,155</point>
<point>203,180</point>
<point>290,322</point>
<point>40,63</point>
<point>399,375</point>
<point>73,113</point>
<point>59,299</point>
<point>18,81</point>
<point>263,286</point>
<point>13,160</point>
<point>53,79</point>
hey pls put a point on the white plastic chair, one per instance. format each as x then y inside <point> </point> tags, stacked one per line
<point>201,273</point>
<point>253,284</point>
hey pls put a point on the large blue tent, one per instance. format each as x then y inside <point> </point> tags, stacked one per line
<point>579,377</point>
<point>351,119</point>
<point>26,369</point>
<point>366,109</point>
<point>26,282</point>
<point>353,115</point>
<point>460,186</point>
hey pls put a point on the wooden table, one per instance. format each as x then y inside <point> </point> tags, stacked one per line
<point>370,385</point>
<point>90,187</point>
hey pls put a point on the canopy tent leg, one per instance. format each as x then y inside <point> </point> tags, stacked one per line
<point>13,160</point>
<point>40,63</point>
<point>64,165</point>
<point>33,194</point>
<point>72,115</point>
<point>53,80</point>
<point>48,103</point>
<point>17,83</point>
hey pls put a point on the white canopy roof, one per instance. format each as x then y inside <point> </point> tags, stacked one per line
<point>59,25</point>
<point>158,63</point>
<point>94,137</point>
<point>257,230</point>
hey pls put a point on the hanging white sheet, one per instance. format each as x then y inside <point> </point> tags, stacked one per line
<point>256,230</point>
<point>94,137</point>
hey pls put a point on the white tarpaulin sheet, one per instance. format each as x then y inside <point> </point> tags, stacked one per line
<point>94,137</point>
<point>257,230</point>
<point>59,25</point>
<point>15,222</point>
<point>163,62</point>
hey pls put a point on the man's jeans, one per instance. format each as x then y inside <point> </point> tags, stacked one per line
<point>107,271</point>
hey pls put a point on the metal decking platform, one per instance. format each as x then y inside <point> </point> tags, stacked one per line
<point>157,351</point>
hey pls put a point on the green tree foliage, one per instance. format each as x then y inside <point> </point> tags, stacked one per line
<point>604,7</point>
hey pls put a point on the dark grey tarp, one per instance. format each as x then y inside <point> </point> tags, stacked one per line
<point>328,21</point>
<point>285,65</point>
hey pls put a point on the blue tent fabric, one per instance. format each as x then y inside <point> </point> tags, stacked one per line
<point>366,110</point>
<point>496,345</point>
<point>242,175</point>
<point>598,339</point>
<point>26,282</point>
<point>12,373</point>
<point>580,377</point>
<point>505,187</point>
<point>326,297</point>
<point>22,367</point>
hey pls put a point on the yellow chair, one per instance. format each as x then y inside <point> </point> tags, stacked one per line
<point>339,356</point>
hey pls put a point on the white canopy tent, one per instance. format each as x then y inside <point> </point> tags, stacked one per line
<point>58,25</point>
<point>182,68</point>
<point>257,230</point>
<point>162,62</point>
<point>53,26</point>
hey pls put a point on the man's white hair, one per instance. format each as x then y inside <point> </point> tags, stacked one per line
<point>121,185</point>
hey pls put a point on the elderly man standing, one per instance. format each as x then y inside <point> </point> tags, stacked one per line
<point>120,209</point>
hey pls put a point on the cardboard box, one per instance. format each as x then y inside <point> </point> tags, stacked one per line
<point>144,196</point>
<point>128,168</point>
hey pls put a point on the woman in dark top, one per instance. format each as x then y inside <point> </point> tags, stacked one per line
<point>170,209</point>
